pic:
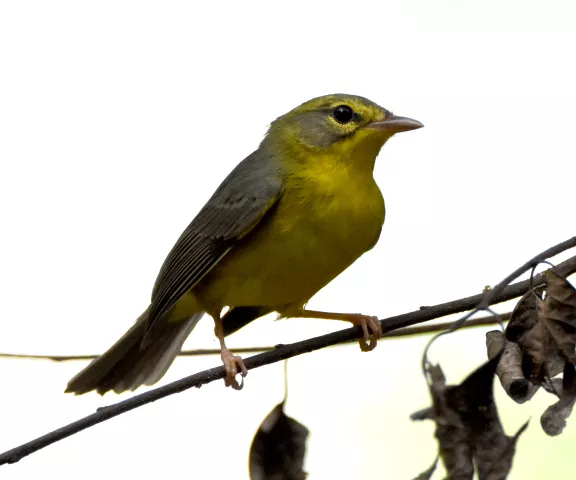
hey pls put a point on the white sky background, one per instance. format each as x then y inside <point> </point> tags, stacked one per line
<point>118,120</point>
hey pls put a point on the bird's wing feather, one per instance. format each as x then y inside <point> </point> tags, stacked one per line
<point>237,206</point>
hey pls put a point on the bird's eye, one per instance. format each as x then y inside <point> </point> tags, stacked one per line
<point>343,114</point>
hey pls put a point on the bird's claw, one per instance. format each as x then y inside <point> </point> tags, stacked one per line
<point>371,329</point>
<point>234,365</point>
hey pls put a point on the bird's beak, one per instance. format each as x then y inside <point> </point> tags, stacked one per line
<point>393,124</point>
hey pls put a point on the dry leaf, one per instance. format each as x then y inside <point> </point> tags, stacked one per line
<point>541,357</point>
<point>509,368</point>
<point>553,420</point>
<point>558,313</point>
<point>427,475</point>
<point>468,428</point>
<point>524,316</point>
<point>455,450</point>
<point>545,330</point>
<point>498,468</point>
<point>473,399</point>
<point>553,386</point>
<point>278,448</point>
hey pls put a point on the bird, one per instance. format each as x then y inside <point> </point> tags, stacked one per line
<point>286,221</point>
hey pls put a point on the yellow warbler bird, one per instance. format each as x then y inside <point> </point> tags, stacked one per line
<point>287,220</point>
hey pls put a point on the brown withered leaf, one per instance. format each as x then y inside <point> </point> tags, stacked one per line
<point>498,468</point>
<point>541,356</point>
<point>553,420</point>
<point>473,399</point>
<point>455,450</point>
<point>278,449</point>
<point>427,475</point>
<point>509,369</point>
<point>558,313</point>
<point>468,428</point>
<point>546,332</point>
<point>553,386</point>
<point>524,316</point>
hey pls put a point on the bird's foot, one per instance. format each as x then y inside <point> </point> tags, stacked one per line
<point>234,365</point>
<point>371,328</point>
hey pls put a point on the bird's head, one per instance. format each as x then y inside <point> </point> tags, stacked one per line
<point>340,124</point>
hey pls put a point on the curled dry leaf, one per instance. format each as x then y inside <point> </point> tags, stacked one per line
<point>278,448</point>
<point>553,420</point>
<point>427,475</point>
<point>509,369</point>
<point>468,428</point>
<point>545,331</point>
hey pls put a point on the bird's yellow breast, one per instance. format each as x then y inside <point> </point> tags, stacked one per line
<point>328,215</point>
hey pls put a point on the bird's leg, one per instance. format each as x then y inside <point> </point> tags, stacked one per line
<point>370,325</point>
<point>232,363</point>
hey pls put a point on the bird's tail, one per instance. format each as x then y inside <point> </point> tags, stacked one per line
<point>127,364</point>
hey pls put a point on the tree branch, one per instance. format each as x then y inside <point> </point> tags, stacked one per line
<point>491,295</point>
<point>403,332</point>
<point>282,352</point>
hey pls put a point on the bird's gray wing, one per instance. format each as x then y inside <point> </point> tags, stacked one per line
<point>237,206</point>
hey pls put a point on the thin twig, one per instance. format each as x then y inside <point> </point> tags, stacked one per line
<point>403,332</point>
<point>280,353</point>
<point>489,296</point>
<point>184,353</point>
<point>551,252</point>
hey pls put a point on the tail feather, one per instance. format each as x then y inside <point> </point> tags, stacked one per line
<point>158,356</point>
<point>128,365</point>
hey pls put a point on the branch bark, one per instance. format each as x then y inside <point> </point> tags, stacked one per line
<point>282,352</point>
